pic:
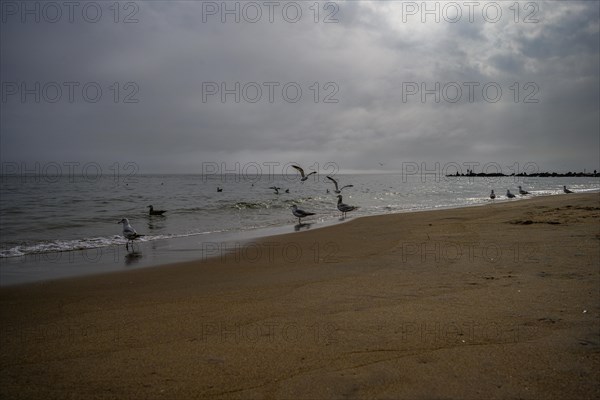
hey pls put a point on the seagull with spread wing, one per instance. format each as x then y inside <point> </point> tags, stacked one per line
<point>338,191</point>
<point>303,176</point>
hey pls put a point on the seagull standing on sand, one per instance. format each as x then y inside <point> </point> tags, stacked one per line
<point>300,213</point>
<point>523,192</point>
<point>152,211</point>
<point>304,177</point>
<point>566,190</point>
<point>129,232</point>
<point>492,195</point>
<point>344,208</point>
<point>338,191</point>
<point>509,194</point>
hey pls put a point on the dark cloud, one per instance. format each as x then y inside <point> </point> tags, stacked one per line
<point>353,75</point>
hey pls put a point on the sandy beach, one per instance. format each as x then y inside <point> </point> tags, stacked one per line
<point>497,301</point>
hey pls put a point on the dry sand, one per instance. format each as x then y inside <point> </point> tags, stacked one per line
<point>498,301</point>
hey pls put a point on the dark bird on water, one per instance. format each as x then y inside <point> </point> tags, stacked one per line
<point>152,211</point>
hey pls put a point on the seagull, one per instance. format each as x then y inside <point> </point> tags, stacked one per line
<point>152,211</point>
<point>344,208</point>
<point>523,192</point>
<point>509,194</point>
<point>128,232</point>
<point>304,177</point>
<point>566,190</point>
<point>300,213</point>
<point>276,189</point>
<point>492,195</point>
<point>338,191</point>
<point>219,189</point>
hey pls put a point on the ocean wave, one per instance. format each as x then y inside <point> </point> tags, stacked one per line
<point>57,246</point>
<point>241,205</point>
<point>61,245</point>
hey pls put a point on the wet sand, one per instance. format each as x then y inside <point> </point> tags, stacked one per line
<point>498,301</point>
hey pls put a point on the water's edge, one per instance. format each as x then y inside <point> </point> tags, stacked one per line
<point>37,268</point>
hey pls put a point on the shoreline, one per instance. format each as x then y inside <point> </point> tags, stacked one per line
<point>46,267</point>
<point>446,303</point>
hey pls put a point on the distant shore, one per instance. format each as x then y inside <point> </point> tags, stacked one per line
<point>498,301</point>
<point>534,175</point>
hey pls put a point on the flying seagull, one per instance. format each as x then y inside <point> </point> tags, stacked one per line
<point>300,213</point>
<point>152,211</point>
<point>275,188</point>
<point>492,195</point>
<point>523,192</point>
<point>509,194</point>
<point>338,191</point>
<point>304,177</point>
<point>344,208</point>
<point>566,190</point>
<point>129,232</point>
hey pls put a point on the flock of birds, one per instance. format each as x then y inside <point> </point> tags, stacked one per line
<point>130,233</point>
<point>522,192</point>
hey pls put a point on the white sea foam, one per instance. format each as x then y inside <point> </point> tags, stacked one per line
<point>82,244</point>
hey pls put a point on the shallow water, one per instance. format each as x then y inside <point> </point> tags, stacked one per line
<point>49,226</point>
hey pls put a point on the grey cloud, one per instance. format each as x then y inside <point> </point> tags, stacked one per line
<point>368,55</point>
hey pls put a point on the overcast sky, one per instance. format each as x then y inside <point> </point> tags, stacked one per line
<point>369,74</point>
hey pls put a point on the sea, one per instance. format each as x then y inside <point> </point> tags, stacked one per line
<point>64,226</point>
